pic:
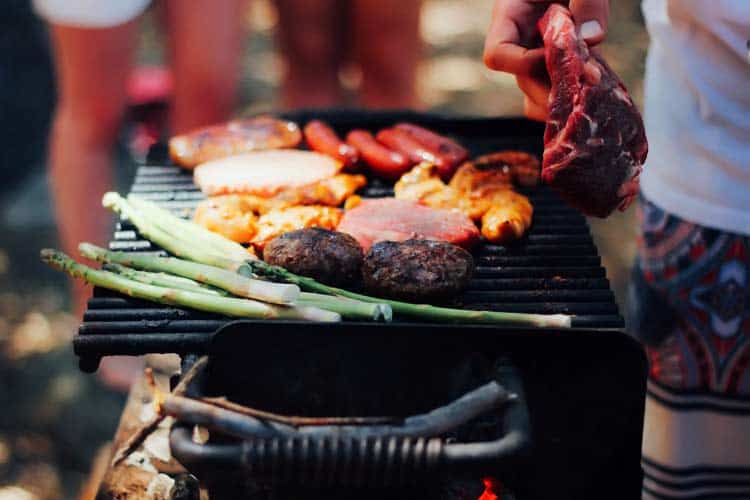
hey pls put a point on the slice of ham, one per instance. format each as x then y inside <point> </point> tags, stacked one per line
<point>264,173</point>
<point>389,219</point>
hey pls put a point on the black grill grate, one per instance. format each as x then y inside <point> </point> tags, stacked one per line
<point>555,269</point>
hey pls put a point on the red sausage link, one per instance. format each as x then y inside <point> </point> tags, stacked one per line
<point>321,138</point>
<point>453,153</point>
<point>409,147</point>
<point>381,160</point>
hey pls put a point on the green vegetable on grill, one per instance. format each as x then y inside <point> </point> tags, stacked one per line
<point>215,259</point>
<point>238,307</point>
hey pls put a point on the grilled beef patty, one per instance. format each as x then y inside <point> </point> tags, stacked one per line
<point>330,257</point>
<point>416,270</point>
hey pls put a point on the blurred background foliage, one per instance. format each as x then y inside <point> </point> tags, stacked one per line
<point>54,418</point>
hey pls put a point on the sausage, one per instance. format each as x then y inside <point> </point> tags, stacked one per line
<point>409,147</point>
<point>381,160</point>
<point>453,152</point>
<point>232,138</point>
<point>321,138</point>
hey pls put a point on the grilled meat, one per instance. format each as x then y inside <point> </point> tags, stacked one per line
<point>283,220</point>
<point>231,216</point>
<point>451,153</point>
<point>330,257</point>
<point>380,160</point>
<point>264,173</point>
<point>322,138</point>
<point>332,191</point>
<point>508,217</point>
<point>497,169</point>
<point>398,220</point>
<point>483,192</point>
<point>416,270</point>
<point>231,138</point>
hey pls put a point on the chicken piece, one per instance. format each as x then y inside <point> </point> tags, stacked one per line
<point>284,220</point>
<point>332,191</point>
<point>423,184</point>
<point>508,217</point>
<point>482,190</point>
<point>229,215</point>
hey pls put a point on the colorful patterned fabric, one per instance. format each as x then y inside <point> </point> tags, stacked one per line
<point>695,280</point>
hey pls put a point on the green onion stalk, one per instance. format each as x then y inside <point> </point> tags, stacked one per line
<point>237,307</point>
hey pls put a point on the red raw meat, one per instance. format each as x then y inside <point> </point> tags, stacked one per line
<point>594,143</point>
<point>389,219</point>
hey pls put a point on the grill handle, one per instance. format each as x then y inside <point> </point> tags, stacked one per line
<point>371,455</point>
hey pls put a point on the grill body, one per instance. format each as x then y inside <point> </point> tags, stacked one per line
<point>584,388</point>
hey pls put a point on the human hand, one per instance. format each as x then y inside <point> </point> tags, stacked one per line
<point>513,43</point>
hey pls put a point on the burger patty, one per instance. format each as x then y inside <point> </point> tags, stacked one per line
<point>416,270</point>
<point>330,257</point>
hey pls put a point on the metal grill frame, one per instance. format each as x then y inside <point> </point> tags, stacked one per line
<point>554,269</point>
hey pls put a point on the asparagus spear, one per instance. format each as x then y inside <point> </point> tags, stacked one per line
<point>222,305</point>
<point>422,311</point>
<point>169,222</point>
<point>234,283</point>
<point>348,308</point>
<point>164,279</point>
<point>174,241</point>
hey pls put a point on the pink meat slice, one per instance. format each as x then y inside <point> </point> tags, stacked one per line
<point>389,219</point>
<point>594,143</point>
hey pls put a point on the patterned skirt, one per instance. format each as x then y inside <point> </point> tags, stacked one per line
<point>690,305</point>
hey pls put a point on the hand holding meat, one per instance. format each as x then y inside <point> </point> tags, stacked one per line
<point>513,43</point>
<point>595,143</point>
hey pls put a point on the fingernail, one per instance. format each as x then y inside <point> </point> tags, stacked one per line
<point>591,29</point>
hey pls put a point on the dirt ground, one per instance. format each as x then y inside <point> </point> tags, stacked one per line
<point>54,418</point>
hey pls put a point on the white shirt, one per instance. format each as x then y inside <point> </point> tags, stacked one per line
<point>697,111</point>
<point>90,13</point>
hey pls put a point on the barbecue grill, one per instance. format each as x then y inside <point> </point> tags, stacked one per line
<point>580,391</point>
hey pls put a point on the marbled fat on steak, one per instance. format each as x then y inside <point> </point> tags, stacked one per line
<point>594,143</point>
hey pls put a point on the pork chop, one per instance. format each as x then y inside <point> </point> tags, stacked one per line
<point>389,219</point>
<point>594,143</point>
<point>264,173</point>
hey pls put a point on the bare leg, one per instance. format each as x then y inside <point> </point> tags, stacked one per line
<point>309,38</point>
<point>387,46</point>
<point>206,44</point>
<point>92,66</point>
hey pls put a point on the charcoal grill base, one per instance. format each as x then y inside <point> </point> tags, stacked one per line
<point>584,390</point>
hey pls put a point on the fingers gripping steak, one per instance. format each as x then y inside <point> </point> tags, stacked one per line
<point>594,144</point>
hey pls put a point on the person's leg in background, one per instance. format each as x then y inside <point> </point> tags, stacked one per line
<point>206,41</point>
<point>309,36</point>
<point>387,46</point>
<point>92,65</point>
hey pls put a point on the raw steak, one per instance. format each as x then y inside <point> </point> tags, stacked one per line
<point>594,143</point>
<point>389,219</point>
